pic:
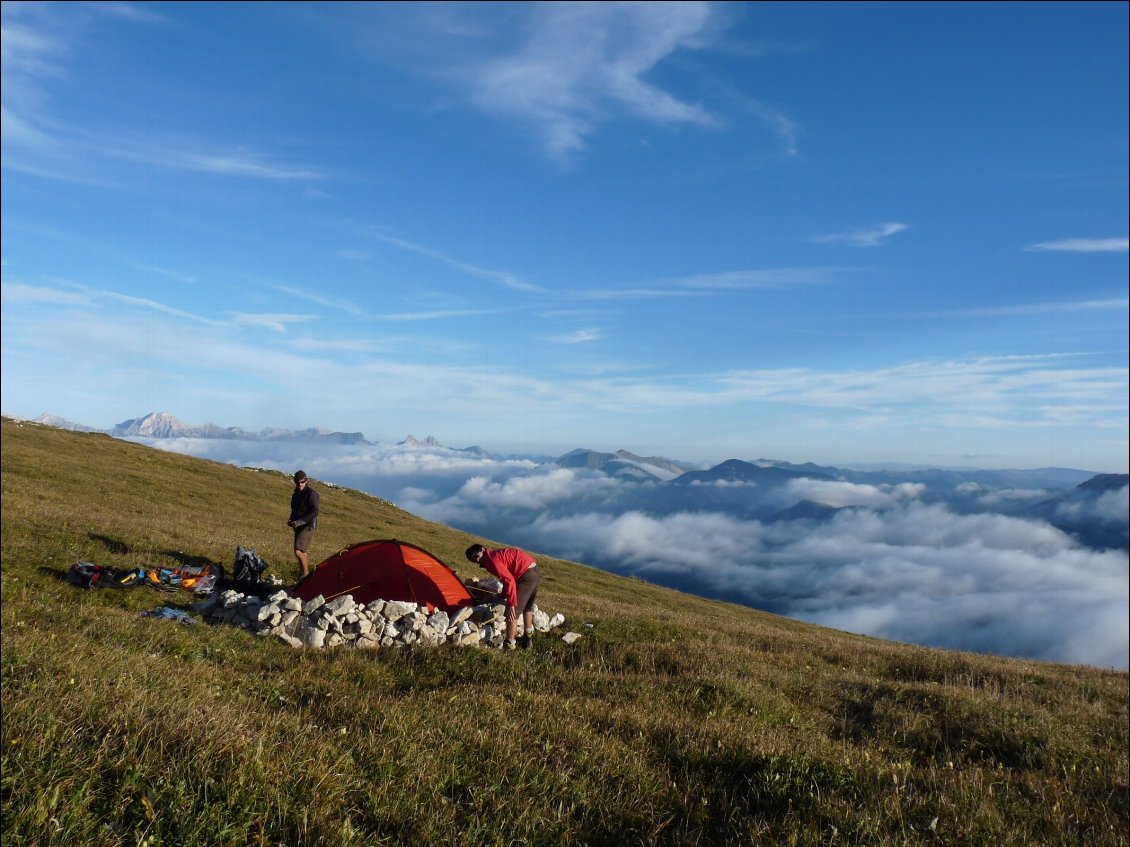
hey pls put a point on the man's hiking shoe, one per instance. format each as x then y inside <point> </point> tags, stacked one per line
<point>526,642</point>
<point>508,645</point>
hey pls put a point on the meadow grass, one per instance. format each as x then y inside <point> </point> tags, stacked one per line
<point>675,720</point>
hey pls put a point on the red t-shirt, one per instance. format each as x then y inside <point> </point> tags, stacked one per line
<point>508,564</point>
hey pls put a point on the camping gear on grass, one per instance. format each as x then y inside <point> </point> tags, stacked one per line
<point>386,570</point>
<point>169,613</point>
<point>247,570</point>
<point>90,575</point>
<point>195,578</point>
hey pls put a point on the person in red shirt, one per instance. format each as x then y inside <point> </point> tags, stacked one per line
<point>520,578</point>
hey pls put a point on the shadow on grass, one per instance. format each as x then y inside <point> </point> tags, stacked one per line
<point>113,545</point>
<point>184,560</point>
<point>724,792</point>
<point>56,574</point>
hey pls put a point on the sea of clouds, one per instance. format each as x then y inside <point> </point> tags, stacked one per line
<point>898,562</point>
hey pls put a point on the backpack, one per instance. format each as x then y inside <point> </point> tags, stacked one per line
<point>86,575</point>
<point>90,575</point>
<point>247,568</point>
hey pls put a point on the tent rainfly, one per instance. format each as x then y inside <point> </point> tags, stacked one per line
<point>386,570</point>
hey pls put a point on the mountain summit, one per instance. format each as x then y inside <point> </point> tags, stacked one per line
<point>165,425</point>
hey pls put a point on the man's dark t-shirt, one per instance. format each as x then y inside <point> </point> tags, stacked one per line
<point>305,506</point>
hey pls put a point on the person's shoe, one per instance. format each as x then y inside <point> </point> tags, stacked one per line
<point>509,644</point>
<point>526,642</point>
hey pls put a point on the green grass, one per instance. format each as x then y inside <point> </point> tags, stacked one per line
<point>674,721</point>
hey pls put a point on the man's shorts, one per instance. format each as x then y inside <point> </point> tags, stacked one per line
<point>303,535</point>
<point>528,589</point>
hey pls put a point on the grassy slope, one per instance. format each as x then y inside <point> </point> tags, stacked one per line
<point>676,720</point>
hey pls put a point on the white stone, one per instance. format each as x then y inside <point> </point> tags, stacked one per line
<point>288,639</point>
<point>367,642</point>
<point>396,609</point>
<point>341,605</point>
<point>375,607</point>
<point>462,615</point>
<point>313,603</point>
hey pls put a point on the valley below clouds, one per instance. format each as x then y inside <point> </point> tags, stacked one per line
<point>967,566</point>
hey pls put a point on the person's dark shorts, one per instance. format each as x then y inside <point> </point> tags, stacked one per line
<point>528,590</point>
<point>303,535</point>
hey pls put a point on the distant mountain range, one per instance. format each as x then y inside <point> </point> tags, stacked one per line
<point>625,465</point>
<point>771,472</point>
<point>166,425</point>
<point>1077,501</point>
<point>622,464</point>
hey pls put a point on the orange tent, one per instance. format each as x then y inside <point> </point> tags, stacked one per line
<point>386,570</point>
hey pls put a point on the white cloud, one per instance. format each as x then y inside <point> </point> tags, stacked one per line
<point>954,393</point>
<point>580,336</point>
<point>273,322</point>
<point>504,278</point>
<point>1005,496</point>
<point>709,284</point>
<point>234,163</point>
<point>841,494</point>
<point>1110,507</point>
<point>867,237</point>
<point>537,491</point>
<point>434,315</point>
<point>21,293</point>
<point>758,278</point>
<point>1083,245</point>
<point>335,304</point>
<point>1116,304</point>
<point>916,574</point>
<point>350,255</point>
<point>585,63</point>
<point>37,41</point>
<point>1013,393</point>
<point>179,277</point>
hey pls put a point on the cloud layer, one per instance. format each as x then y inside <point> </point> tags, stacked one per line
<point>584,63</point>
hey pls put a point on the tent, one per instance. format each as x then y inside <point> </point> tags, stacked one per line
<point>386,570</point>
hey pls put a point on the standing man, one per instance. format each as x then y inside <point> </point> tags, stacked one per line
<point>520,580</point>
<point>304,507</point>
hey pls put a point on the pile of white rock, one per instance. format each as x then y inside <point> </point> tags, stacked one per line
<point>381,623</point>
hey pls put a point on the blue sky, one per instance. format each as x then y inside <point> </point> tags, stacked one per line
<point>830,232</point>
